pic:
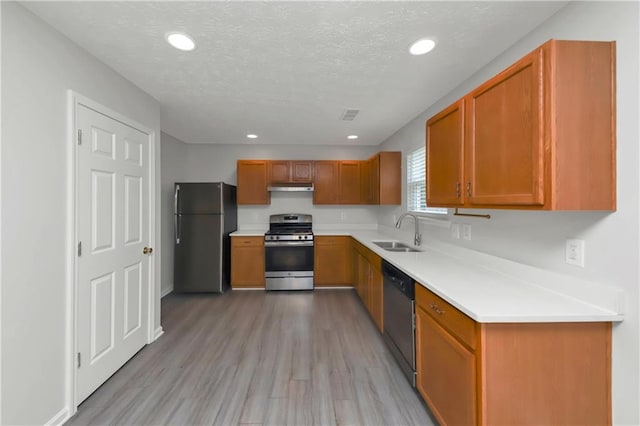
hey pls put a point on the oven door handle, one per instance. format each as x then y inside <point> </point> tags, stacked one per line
<point>288,243</point>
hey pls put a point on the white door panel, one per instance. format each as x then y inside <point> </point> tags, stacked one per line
<point>113,227</point>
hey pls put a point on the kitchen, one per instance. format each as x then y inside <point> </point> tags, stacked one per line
<point>532,238</point>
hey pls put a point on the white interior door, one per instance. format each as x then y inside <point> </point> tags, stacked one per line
<point>113,230</point>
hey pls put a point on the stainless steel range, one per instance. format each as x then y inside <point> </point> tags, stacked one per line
<point>289,252</point>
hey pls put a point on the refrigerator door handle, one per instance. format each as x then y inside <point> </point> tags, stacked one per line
<point>176,225</point>
<point>175,199</point>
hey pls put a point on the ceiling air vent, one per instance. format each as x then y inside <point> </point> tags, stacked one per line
<point>349,114</point>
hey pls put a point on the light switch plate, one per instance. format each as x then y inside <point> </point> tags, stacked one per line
<point>574,252</point>
<point>466,231</point>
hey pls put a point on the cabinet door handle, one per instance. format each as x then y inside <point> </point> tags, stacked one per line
<point>457,189</point>
<point>469,189</point>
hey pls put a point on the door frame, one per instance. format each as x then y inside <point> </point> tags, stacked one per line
<point>74,101</point>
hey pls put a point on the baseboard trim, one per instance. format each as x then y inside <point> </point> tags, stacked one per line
<point>166,291</point>
<point>344,287</point>
<point>159,332</point>
<point>60,418</point>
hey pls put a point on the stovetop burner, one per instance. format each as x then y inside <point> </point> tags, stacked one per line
<point>289,226</point>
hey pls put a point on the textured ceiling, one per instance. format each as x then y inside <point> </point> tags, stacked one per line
<point>287,70</point>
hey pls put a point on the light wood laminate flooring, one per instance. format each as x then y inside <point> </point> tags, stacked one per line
<point>254,357</point>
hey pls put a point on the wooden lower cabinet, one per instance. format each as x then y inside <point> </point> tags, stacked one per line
<point>332,261</point>
<point>367,268</point>
<point>447,373</point>
<point>247,262</point>
<point>510,373</point>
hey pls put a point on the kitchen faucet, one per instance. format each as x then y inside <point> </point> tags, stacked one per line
<point>417,237</point>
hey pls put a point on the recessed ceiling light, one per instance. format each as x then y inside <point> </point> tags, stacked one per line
<point>252,136</point>
<point>352,137</point>
<point>422,46</point>
<point>181,41</point>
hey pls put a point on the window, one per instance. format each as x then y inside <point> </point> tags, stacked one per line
<point>417,184</point>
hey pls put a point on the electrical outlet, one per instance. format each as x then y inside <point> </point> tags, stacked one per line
<point>455,231</point>
<point>466,232</point>
<point>574,252</point>
<point>343,216</point>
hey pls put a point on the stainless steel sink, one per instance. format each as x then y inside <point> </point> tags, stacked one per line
<point>395,246</point>
<point>403,249</point>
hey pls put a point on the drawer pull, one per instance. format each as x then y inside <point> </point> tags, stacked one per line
<point>436,308</point>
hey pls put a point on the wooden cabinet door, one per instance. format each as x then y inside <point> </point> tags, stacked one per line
<point>505,155</point>
<point>279,171</point>
<point>302,171</point>
<point>373,180</point>
<point>366,183</point>
<point>247,262</point>
<point>445,157</point>
<point>375,286</point>
<point>326,182</point>
<point>363,278</point>
<point>332,261</point>
<point>446,373</point>
<point>253,177</point>
<point>349,192</point>
<point>389,178</point>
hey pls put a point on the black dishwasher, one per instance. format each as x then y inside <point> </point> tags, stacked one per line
<point>399,318</point>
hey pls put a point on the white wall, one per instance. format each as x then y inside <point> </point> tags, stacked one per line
<point>39,65</point>
<point>218,162</point>
<point>174,156</point>
<point>538,238</point>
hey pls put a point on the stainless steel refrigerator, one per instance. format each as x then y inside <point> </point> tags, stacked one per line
<point>204,216</point>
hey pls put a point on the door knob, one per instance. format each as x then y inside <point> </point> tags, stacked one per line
<point>147,250</point>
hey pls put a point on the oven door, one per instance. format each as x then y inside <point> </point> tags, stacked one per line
<point>288,256</point>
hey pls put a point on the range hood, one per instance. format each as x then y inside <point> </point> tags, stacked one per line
<point>291,187</point>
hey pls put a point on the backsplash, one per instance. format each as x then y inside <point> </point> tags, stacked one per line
<point>354,217</point>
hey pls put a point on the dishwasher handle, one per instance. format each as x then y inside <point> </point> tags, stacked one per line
<point>398,279</point>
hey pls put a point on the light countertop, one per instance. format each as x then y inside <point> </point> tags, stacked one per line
<point>484,292</point>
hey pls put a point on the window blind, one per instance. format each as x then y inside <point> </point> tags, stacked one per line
<point>417,184</point>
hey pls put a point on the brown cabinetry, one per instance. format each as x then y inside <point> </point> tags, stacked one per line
<point>326,182</point>
<point>510,373</point>
<point>332,261</point>
<point>290,171</point>
<point>368,281</point>
<point>349,186</point>
<point>384,182</point>
<point>539,135</point>
<point>253,179</point>
<point>375,181</point>
<point>247,262</point>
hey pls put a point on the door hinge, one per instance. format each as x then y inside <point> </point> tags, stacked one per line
<point>79,136</point>
<point>79,360</point>
<point>80,248</point>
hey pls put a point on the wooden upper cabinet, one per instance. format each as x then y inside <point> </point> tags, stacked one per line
<point>388,187</point>
<point>290,171</point>
<point>253,179</point>
<point>279,171</point>
<point>350,188</point>
<point>302,171</point>
<point>540,135</point>
<point>505,157</point>
<point>326,182</point>
<point>445,157</point>
<point>382,178</point>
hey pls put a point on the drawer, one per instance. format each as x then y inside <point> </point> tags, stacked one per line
<point>458,324</point>
<point>247,241</point>
<point>334,239</point>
